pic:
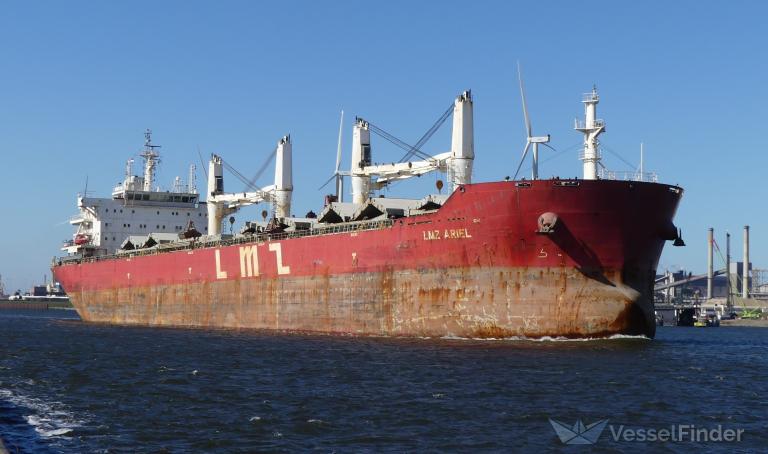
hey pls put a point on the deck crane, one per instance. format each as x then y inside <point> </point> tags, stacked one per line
<point>457,162</point>
<point>221,204</point>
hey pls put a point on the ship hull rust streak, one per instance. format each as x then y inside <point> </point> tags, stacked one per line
<point>474,268</point>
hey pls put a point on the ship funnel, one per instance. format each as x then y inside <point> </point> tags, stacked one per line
<point>462,141</point>
<point>361,157</point>
<point>283,178</point>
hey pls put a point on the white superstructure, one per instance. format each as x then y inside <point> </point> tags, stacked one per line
<point>136,208</point>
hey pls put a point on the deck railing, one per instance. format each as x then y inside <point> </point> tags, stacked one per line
<point>259,237</point>
<point>628,175</point>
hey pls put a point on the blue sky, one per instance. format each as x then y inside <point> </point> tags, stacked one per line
<point>81,81</point>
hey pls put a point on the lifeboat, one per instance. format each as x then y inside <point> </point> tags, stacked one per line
<point>81,239</point>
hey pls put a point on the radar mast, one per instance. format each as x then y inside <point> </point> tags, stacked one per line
<point>151,159</point>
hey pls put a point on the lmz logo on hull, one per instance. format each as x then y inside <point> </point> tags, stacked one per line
<point>447,234</point>
<point>249,261</point>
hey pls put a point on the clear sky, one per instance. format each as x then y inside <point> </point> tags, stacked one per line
<point>81,81</point>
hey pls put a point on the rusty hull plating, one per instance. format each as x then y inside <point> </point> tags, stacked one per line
<point>481,266</point>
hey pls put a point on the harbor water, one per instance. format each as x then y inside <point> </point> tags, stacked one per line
<point>67,386</point>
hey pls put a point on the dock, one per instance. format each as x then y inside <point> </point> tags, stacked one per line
<point>33,305</point>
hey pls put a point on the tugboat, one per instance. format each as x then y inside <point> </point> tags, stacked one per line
<point>707,319</point>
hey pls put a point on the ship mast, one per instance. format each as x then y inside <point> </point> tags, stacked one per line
<point>283,178</point>
<point>462,141</point>
<point>361,158</point>
<point>151,159</point>
<point>591,127</point>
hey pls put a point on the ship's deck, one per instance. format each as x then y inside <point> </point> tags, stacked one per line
<point>259,237</point>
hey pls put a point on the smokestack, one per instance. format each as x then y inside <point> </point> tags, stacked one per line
<point>710,265</point>
<point>745,269</point>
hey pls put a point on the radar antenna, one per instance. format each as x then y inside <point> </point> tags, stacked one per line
<point>151,159</point>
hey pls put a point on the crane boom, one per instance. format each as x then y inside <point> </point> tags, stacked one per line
<point>221,203</point>
<point>241,199</point>
<point>387,173</point>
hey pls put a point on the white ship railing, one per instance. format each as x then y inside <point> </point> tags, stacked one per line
<point>260,237</point>
<point>651,177</point>
<point>581,124</point>
<point>596,155</point>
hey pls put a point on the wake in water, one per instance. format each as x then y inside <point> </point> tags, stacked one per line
<point>49,419</point>
<point>549,338</point>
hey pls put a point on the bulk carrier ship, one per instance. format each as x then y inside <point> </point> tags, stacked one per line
<point>529,257</point>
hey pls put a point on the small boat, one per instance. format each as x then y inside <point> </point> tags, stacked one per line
<point>81,239</point>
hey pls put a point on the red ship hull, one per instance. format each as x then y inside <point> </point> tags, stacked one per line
<point>477,268</point>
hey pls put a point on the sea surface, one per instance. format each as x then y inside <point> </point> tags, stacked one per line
<point>67,386</point>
